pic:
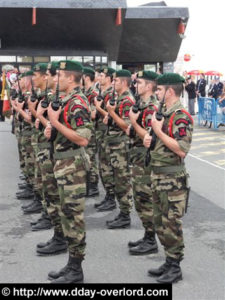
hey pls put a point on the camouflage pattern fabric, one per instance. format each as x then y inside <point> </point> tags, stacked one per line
<point>91,148</point>
<point>105,170</point>
<point>117,152</point>
<point>169,187</point>
<point>140,174</point>
<point>70,173</point>
<point>18,135</point>
<point>51,200</point>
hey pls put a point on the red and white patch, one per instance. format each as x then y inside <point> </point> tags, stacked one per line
<point>182,131</point>
<point>79,121</point>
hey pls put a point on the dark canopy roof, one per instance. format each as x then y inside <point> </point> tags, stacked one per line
<point>147,33</point>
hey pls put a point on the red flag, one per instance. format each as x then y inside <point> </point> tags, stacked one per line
<point>34,16</point>
<point>119,17</point>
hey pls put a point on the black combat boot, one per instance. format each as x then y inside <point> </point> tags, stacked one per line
<point>136,243</point>
<point>173,273</point>
<point>57,245</point>
<point>109,204</point>
<point>44,244</point>
<point>35,207</point>
<point>161,270</point>
<point>103,201</point>
<point>122,221</point>
<point>43,216</point>
<point>92,189</point>
<point>26,194</point>
<point>72,273</point>
<point>147,246</point>
<point>24,186</point>
<point>43,224</point>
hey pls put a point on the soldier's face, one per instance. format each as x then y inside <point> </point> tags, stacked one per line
<point>63,81</point>
<point>160,92</point>
<point>118,84</point>
<point>38,79</point>
<point>50,80</point>
<point>141,86</point>
<point>22,83</point>
<point>102,79</point>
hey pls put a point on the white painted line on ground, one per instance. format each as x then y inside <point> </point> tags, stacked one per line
<point>203,160</point>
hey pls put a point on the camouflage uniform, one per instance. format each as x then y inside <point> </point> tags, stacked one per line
<point>169,183</point>
<point>18,134</point>
<point>70,171</point>
<point>105,168</point>
<point>27,148</point>
<point>140,174</point>
<point>91,148</point>
<point>117,151</point>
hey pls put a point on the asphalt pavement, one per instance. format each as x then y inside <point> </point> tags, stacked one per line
<point>107,259</point>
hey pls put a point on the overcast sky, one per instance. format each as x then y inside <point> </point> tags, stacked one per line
<point>204,33</point>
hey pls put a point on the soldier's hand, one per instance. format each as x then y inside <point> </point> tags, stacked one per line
<point>156,125</point>
<point>48,130</point>
<point>37,122</point>
<point>97,103</point>
<point>53,115</point>
<point>19,105</point>
<point>133,116</point>
<point>128,130</point>
<point>147,140</point>
<point>29,115</point>
<point>32,105</point>
<point>40,110</point>
<point>93,114</point>
<point>110,107</point>
<point>106,119</point>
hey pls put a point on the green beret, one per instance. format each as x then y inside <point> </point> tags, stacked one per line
<point>123,73</point>
<point>148,75</point>
<point>108,71</point>
<point>53,66</point>
<point>170,79</point>
<point>29,73</point>
<point>70,65</point>
<point>88,70</point>
<point>41,67</point>
<point>98,69</point>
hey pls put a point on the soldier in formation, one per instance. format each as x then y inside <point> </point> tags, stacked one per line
<point>71,131</point>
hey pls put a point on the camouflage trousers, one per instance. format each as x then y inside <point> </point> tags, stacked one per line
<point>37,171</point>
<point>28,156</point>
<point>169,197</point>
<point>117,157</point>
<point>51,200</point>
<point>70,174</point>
<point>20,152</point>
<point>142,191</point>
<point>91,150</point>
<point>105,169</point>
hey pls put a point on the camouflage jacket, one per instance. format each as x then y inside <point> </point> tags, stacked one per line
<point>77,117</point>
<point>181,130</point>
<point>123,104</point>
<point>107,95</point>
<point>147,108</point>
<point>91,93</point>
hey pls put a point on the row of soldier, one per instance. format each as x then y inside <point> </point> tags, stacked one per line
<point>70,133</point>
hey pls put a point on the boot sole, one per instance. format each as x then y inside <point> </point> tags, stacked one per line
<point>50,254</point>
<point>121,227</point>
<point>174,281</point>
<point>39,229</point>
<point>144,253</point>
<point>102,210</point>
<point>32,212</point>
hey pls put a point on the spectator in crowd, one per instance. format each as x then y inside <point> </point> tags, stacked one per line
<point>190,87</point>
<point>2,118</point>
<point>201,85</point>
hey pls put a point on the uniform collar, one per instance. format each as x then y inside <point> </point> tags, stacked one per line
<point>173,108</point>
